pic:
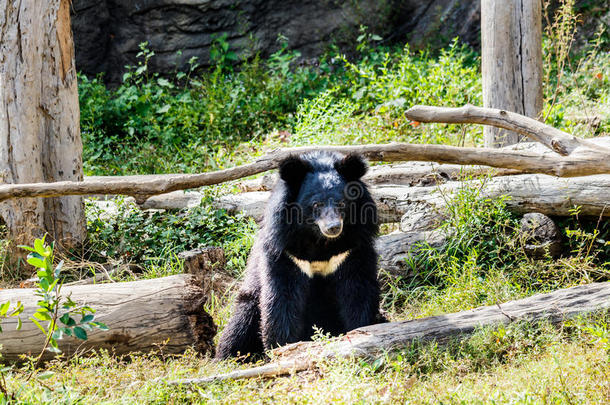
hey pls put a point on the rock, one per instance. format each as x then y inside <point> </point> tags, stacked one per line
<point>107,33</point>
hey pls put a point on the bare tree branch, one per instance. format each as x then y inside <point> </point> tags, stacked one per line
<point>585,158</point>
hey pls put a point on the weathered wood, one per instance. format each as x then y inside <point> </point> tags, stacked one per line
<point>39,119</point>
<point>395,248</point>
<point>556,140</point>
<point>423,208</point>
<point>590,160</point>
<point>540,235</point>
<point>511,62</point>
<point>408,174</point>
<point>419,206</point>
<point>141,315</point>
<point>376,340</point>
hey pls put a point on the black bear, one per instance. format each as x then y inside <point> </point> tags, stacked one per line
<point>313,262</point>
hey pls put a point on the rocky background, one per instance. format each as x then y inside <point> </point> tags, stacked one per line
<point>107,33</point>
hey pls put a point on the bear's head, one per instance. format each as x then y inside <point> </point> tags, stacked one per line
<point>324,193</point>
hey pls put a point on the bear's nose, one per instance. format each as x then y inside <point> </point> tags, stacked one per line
<point>333,229</point>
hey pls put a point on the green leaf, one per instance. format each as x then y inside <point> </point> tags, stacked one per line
<point>44,284</point>
<point>36,262</point>
<point>58,268</point>
<point>17,311</point>
<point>67,320</point>
<point>39,247</point>
<point>35,322</point>
<point>100,326</point>
<point>42,315</point>
<point>163,109</point>
<point>19,324</point>
<point>80,333</point>
<point>4,308</point>
<point>164,82</point>
<point>53,349</point>
<point>58,334</point>
<point>87,318</point>
<point>46,375</point>
<point>34,254</point>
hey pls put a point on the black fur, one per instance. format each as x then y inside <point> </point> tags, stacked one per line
<point>278,303</point>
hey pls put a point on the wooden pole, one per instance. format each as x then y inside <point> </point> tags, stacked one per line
<point>511,62</point>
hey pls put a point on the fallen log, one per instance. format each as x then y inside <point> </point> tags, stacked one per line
<point>142,315</point>
<point>580,158</point>
<point>376,340</point>
<point>394,249</point>
<point>423,208</point>
<point>540,235</point>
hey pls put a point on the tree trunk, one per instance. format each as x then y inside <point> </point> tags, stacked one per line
<point>39,118</point>
<point>165,313</point>
<point>511,37</point>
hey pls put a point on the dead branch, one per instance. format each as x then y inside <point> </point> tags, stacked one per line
<point>556,140</point>
<point>584,158</point>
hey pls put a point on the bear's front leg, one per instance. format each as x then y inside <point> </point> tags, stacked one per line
<point>283,299</point>
<point>358,289</point>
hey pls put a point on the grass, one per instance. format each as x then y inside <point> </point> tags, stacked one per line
<point>520,363</point>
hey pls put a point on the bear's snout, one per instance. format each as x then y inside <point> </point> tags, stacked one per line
<point>331,225</point>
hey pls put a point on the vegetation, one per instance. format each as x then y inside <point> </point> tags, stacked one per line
<point>56,316</point>
<point>206,119</point>
<point>153,239</point>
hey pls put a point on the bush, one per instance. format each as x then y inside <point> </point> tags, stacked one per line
<point>150,124</point>
<point>132,235</point>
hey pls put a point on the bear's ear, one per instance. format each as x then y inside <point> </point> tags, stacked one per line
<point>293,170</point>
<point>351,167</point>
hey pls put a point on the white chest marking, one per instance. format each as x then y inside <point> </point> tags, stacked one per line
<point>321,268</point>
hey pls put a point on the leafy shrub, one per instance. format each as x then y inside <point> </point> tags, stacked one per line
<point>483,260</point>
<point>150,124</point>
<point>130,234</point>
<point>367,104</point>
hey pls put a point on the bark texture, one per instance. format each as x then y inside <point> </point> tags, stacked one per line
<point>142,316</point>
<point>39,118</point>
<point>511,61</point>
<point>423,208</point>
